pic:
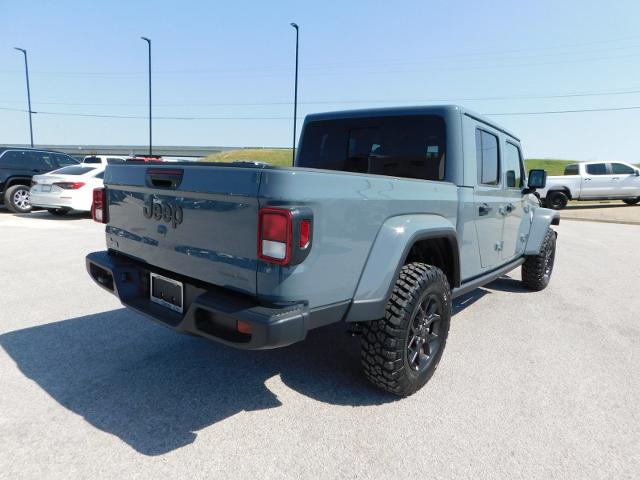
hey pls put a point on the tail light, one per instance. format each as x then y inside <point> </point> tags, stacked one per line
<point>284,235</point>
<point>99,207</point>
<point>69,185</point>
<point>276,232</point>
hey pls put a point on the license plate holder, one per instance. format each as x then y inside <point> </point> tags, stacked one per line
<point>166,292</point>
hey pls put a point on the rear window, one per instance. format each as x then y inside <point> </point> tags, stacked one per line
<point>92,160</point>
<point>408,146</point>
<point>488,158</point>
<point>571,170</point>
<point>74,170</point>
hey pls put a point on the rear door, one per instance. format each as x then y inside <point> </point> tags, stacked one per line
<point>488,197</point>
<point>597,181</point>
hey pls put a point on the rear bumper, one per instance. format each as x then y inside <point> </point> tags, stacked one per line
<point>209,311</point>
<point>48,200</point>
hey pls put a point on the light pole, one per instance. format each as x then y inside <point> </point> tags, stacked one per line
<point>150,134</point>
<point>295,98</point>
<point>26,71</point>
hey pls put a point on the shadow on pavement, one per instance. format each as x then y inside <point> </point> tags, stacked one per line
<point>44,215</point>
<point>596,206</point>
<point>508,284</point>
<point>154,388</point>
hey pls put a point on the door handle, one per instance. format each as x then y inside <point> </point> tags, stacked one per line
<point>510,207</point>
<point>615,178</point>
<point>484,209</point>
<point>587,179</point>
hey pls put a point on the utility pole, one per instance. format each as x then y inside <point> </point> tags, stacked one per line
<point>150,129</point>
<point>26,71</point>
<point>295,99</point>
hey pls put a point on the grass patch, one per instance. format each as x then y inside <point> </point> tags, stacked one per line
<point>553,167</point>
<point>282,157</point>
<point>274,156</point>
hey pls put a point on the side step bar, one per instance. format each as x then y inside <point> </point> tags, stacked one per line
<point>489,277</point>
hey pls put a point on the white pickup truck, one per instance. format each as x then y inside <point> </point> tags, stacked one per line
<point>593,181</point>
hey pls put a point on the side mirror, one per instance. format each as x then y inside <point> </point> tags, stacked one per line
<point>637,174</point>
<point>537,179</point>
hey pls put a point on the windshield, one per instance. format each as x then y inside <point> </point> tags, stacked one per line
<point>73,170</point>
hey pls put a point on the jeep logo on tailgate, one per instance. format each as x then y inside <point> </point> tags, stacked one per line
<point>165,211</point>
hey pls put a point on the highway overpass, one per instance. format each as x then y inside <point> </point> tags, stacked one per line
<point>124,150</point>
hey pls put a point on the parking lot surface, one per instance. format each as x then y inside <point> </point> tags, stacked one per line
<point>607,212</point>
<point>531,385</point>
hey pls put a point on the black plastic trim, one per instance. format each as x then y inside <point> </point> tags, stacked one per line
<point>366,310</point>
<point>211,312</point>
<point>485,278</point>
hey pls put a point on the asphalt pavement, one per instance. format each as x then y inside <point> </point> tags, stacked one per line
<point>531,385</point>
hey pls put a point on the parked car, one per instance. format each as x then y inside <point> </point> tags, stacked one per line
<point>18,165</point>
<point>66,189</point>
<point>102,159</point>
<point>593,181</point>
<point>387,215</point>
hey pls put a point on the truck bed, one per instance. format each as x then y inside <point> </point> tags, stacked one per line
<point>216,239</point>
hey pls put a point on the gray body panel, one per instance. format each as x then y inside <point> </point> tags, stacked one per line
<point>363,224</point>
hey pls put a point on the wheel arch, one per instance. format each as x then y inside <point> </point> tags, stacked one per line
<point>408,238</point>
<point>542,219</point>
<point>563,189</point>
<point>12,181</point>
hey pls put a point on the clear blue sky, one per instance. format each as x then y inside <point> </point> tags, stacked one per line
<point>234,59</point>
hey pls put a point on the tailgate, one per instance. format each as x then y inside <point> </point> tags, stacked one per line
<point>197,221</point>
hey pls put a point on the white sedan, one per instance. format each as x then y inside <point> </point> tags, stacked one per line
<point>68,188</point>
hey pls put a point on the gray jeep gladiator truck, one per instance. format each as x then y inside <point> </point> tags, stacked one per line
<point>386,217</point>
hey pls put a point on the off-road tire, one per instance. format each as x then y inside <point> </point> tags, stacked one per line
<point>385,342</point>
<point>14,199</point>
<point>556,200</point>
<point>58,212</point>
<point>631,201</point>
<point>537,269</point>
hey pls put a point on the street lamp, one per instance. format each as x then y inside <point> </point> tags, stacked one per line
<point>150,135</point>
<point>26,70</point>
<point>295,97</point>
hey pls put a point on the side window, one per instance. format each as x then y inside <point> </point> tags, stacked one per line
<point>621,169</point>
<point>513,166</point>
<point>14,159</point>
<point>597,169</point>
<point>64,160</point>
<point>487,157</point>
<point>41,161</point>
<point>113,161</point>
<point>100,175</point>
<point>572,170</point>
